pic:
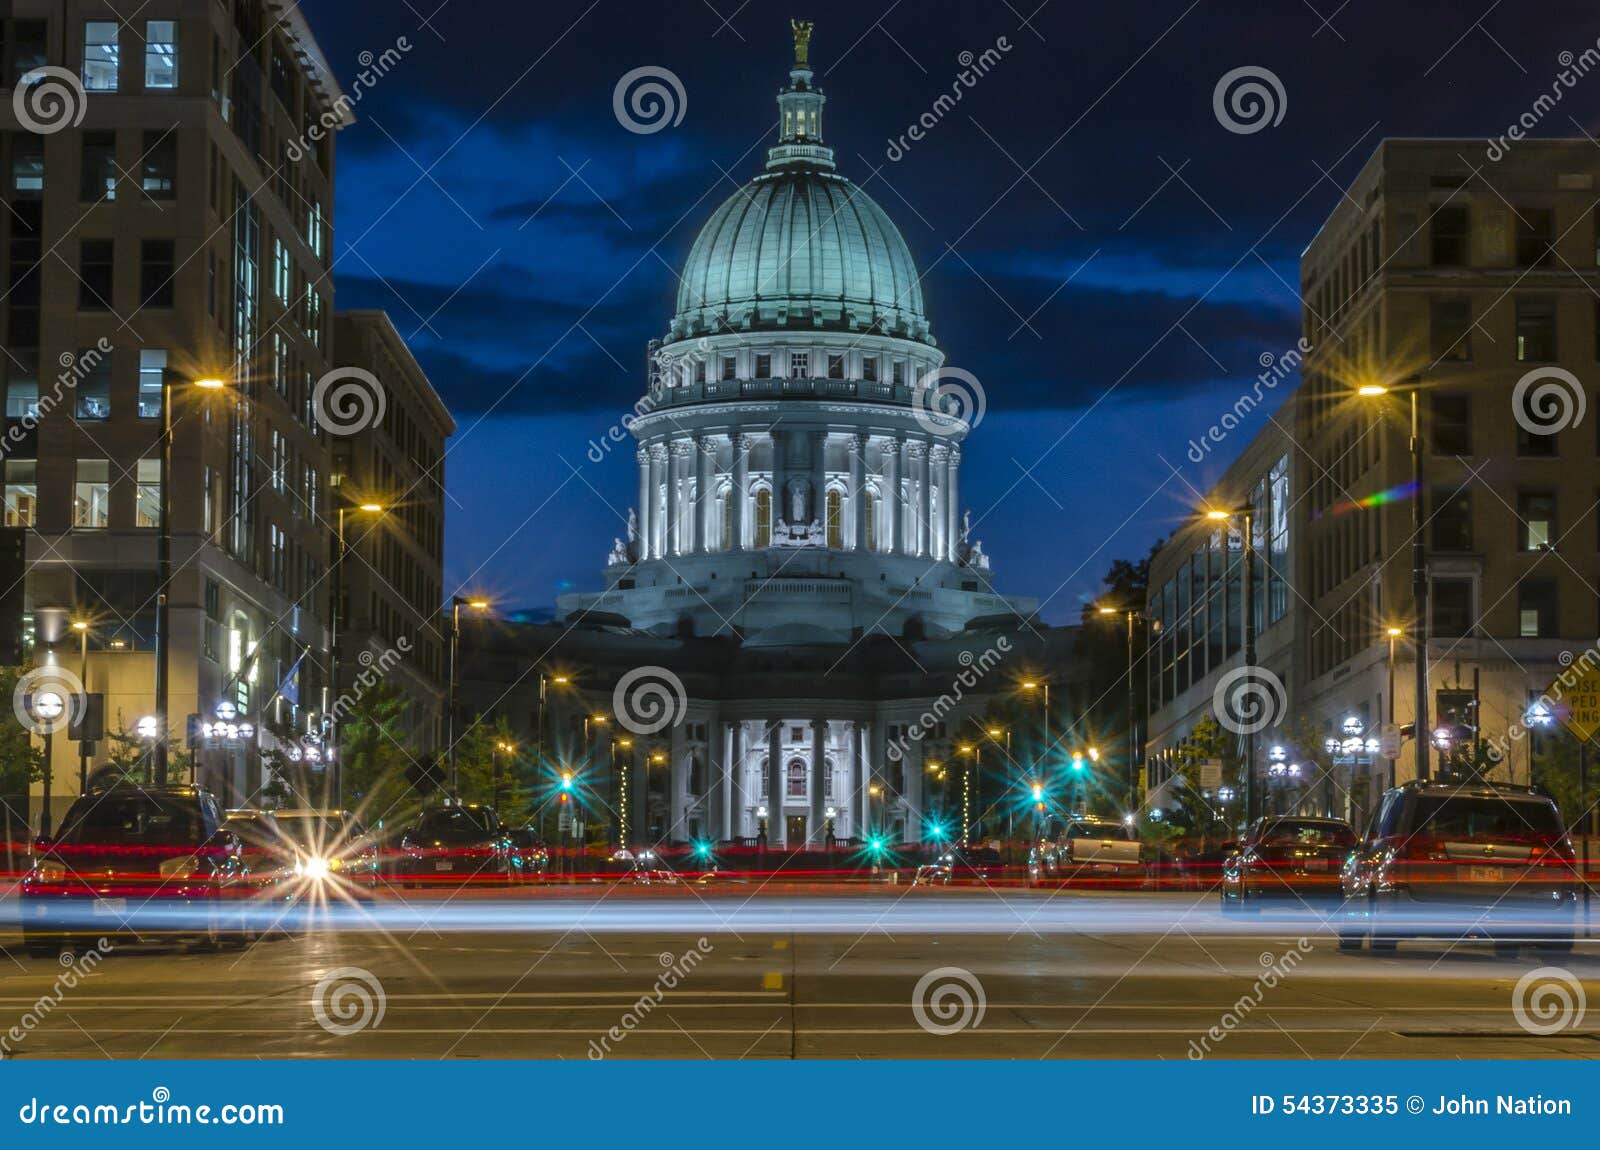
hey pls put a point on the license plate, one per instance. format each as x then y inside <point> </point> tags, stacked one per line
<point>110,906</point>
<point>1317,864</point>
<point>442,866</point>
<point>1485,874</point>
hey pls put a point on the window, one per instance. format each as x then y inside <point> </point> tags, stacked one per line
<point>159,166</point>
<point>157,267</point>
<point>1535,229</point>
<point>835,520</point>
<point>147,505</point>
<point>1450,330</point>
<point>869,368</point>
<point>1532,445</point>
<point>282,270</point>
<point>699,371</point>
<point>22,398</point>
<point>870,509</point>
<point>22,492</point>
<point>94,389</point>
<point>314,228</point>
<point>1536,331</point>
<point>152,375</point>
<point>91,503</point>
<point>1536,511</point>
<point>100,56</point>
<point>1452,236</point>
<point>799,364</point>
<point>1452,424</point>
<point>899,371</point>
<point>730,367</point>
<point>796,777</point>
<point>1452,519</point>
<point>1536,609</point>
<point>160,54</point>
<point>763,366</point>
<point>1454,613</point>
<point>29,48</point>
<point>97,177</point>
<point>763,518</point>
<point>27,164</point>
<point>95,274</point>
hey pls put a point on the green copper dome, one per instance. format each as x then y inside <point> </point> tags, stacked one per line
<point>799,247</point>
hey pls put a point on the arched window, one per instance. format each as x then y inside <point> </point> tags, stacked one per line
<point>796,773</point>
<point>835,520</point>
<point>763,518</point>
<point>727,520</point>
<point>870,510</point>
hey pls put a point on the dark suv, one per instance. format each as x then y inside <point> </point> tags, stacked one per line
<point>1451,860</point>
<point>454,844</point>
<point>137,860</point>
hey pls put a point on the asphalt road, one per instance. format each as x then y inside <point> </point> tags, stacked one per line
<point>1069,975</point>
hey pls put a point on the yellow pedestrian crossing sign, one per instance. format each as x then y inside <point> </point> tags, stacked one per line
<point>1575,697</point>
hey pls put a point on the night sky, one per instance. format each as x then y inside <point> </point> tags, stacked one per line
<point>1098,250</point>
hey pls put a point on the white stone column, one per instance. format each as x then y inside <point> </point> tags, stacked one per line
<point>740,494</point>
<point>776,827</point>
<point>705,502</point>
<point>658,521</point>
<point>856,449</point>
<point>916,767</point>
<point>677,490</point>
<point>864,763</point>
<point>952,505</point>
<point>819,477</point>
<point>819,765</point>
<point>780,475</point>
<point>890,468</point>
<point>643,512</point>
<point>917,451</point>
<point>938,475</point>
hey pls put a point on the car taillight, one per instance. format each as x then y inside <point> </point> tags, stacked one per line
<point>180,867</point>
<point>1422,848</point>
<point>1553,850</point>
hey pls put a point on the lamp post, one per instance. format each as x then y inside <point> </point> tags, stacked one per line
<point>544,685</point>
<point>164,574</point>
<point>456,603</point>
<point>1248,610</point>
<point>336,627</point>
<point>47,707</point>
<point>1131,615</point>
<point>81,626</point>
<point>968,772</point>
<point>1043,687</point>
<point>1419,573</point>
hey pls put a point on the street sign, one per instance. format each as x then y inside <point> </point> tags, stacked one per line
<point>1389,741</point>
<point>1576,693</point>
<point>1211,774</point>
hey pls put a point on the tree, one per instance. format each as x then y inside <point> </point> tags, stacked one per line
<point>486,773</point>
<point>382,778</point>
<point>21,765</point>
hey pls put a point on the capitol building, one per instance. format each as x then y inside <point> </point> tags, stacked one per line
<point>798,624</point>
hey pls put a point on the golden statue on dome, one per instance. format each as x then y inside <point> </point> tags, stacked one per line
<point>802,42</point>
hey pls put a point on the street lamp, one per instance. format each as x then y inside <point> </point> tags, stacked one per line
<point>81,626</point>
<point>336,624</point>
<point>1043,687</point>
<point>544,684</point>
<point>1248,610</point>
<point>164,568</point>
<point>1419,571</point>
<point>47,708</point>
<point>456,603</point>
<point>1131,615</point>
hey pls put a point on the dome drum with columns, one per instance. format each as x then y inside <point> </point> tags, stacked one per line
<point>793,485</point>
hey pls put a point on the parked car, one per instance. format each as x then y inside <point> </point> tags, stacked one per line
<point>451,844</point>
<point>960,864</point>
<point>530,858</point>
<point>1087,846</point>
<point>137,861</point>
<point>1287,857</point>
<point>328,846</point>
<point>1451,860</point>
